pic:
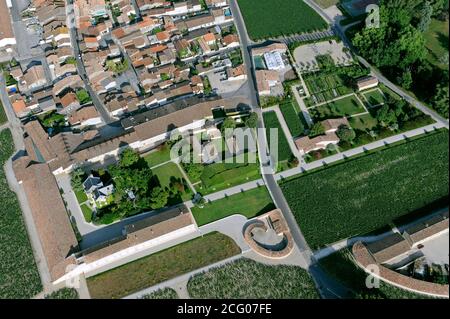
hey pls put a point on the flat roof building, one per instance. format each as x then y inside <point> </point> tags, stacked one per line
<point>274,60</point>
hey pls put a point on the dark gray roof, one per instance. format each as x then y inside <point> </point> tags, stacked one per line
<point>90,182</point>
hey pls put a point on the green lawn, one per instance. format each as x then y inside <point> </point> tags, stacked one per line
<point>363,122</point>
<point>81,196</point>
<point>219,176</point>
<point>159,156</point>
<point>343,107</point>
<point>250,204</point>
<point>169,173</point>
<point>19,276</point>
<point>374,97</point>
<point>284,151</point>
<point>388,92</point>
<point>248,279</point>
<point>436,38</point>
<point>281,17</point>
<point>292,119</point>
<point>342,267</point>
<point>87,212</point>
<point>83,96</point>
<point>360,195</point>
<point>161,266</point>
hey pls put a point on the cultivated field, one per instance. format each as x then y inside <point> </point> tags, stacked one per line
<point>280,17</point>
<point>19,277</point>
<point>166,293</point>
<point>161,266</point>
<point>247,279</point>
<point>360,195</point>
<point>64,293</point>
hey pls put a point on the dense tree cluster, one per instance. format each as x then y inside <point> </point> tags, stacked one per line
<point>398,48</point>
<point>136,189</point>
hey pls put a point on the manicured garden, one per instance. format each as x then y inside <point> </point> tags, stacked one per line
<point>392,118</point>
<point>161,266</point>
<point>324,87</point>
<point>19,277</point>
<point>168,174</point>
<point>363,122</point>
<point>343,107</point>
<point>250,204</point>
<point>360,195</point>
<point>159,156</point>
<point>220,176</point>
<point>136,188</point>
<point>281,17</point>
<point>248,279</point>
<point>374,97</point>
<point>342,267</point>
<point>284,151</point>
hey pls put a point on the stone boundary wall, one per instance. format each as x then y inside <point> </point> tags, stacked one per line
<point>274,254</point>
<point>364,259</point>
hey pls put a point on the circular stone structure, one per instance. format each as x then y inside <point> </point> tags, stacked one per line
<point>269,235</point>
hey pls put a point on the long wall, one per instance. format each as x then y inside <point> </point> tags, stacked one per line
<point>366,261</point>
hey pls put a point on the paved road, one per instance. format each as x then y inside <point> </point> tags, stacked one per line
<point>286,130</point>
<point>267,164</point>
<point>327,286</point>
<point>73,206</point>
<point>99,106</point>
<point>303,107</point>
<point>136,9</point>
